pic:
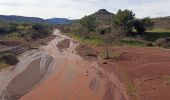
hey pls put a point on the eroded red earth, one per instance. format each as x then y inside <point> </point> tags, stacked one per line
<point>140,73</point>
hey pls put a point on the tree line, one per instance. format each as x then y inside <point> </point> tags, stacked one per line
<point>123,22</point>
<point>27,30</point>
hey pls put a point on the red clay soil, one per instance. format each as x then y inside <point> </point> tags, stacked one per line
<point>145,72</point>
<point>140,72</point>
<point>74,78</point>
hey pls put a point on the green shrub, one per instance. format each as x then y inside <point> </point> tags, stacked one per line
<point>89,23</point>
<point>9,58</point>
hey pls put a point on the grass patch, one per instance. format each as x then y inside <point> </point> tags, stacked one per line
<point>91,39</point>
<point>160,30</point>
<point>132,42</point>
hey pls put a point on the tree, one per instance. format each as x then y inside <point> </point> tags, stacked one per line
<point>4,27</point>
<point>141,25</point>
<point>13,27</point>
<point>123,21</point>
<point>88,23</point>
<point>39,31</point>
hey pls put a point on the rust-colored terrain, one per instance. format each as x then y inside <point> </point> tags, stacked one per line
<point>148,70</point>
<point>78,72</point>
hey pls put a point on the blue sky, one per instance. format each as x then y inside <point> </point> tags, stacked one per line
<point>75,9</point>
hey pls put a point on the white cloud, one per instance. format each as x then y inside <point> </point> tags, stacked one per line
<point>79,8</point>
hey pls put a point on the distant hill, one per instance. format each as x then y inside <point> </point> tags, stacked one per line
<point>22,19</point>
<point>59,21</point>
<point>162,22</point>
<point>103,16</point>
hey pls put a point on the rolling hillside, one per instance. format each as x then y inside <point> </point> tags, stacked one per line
<point>162,22</point>
<point>22,19</point>
<point>59,21</point>
<point>103,16</point>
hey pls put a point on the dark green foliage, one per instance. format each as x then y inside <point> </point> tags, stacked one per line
<point>123,21</point>
<point>4,27</point>
<point>153,36</point>
<point>9,58</point>
<point>103,29</point>
<point>39,31</point>
<point>88,23</point>
<point>141,25</point>
<point>13,27</point>
<point>24,30</point>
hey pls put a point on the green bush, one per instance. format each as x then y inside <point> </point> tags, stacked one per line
<point>40,31</point>
<point>123,21</point>
<point>9,58</point>
<point>89,23</point>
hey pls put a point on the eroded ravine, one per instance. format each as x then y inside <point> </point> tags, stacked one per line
<point>56,72</point>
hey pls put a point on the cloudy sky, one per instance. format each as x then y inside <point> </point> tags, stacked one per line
<point>75,9</point>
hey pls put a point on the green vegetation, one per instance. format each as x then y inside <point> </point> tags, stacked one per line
<point>141,25</point>
<point>122,29</point>
<point>155,34</point>
<point>20,34</point>
<point>132,42</point>
<point>88,23</point>
<point>123,21</point>
<point>92,39</point>
<point>24,30</point>
<point>39,31</point>
<point>9,58</point>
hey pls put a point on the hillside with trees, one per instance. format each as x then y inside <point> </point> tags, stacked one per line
<point>22,19</point>
<point>16,38</point>
<point>122,28</point>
